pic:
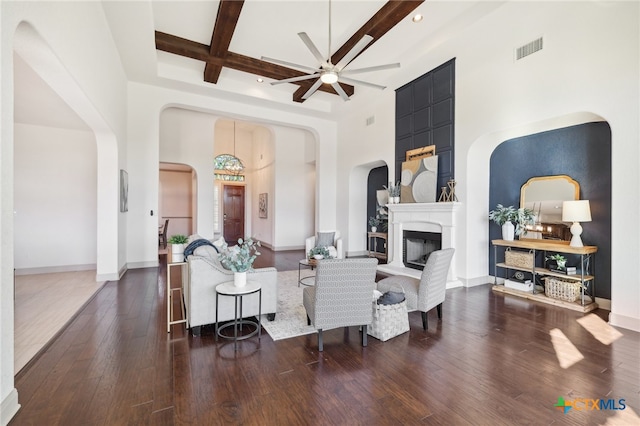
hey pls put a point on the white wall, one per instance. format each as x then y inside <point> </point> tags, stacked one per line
<point>588,70</point>
<point>55,194</point>
<point>263,178</point>
<point>76,60</point>
<point>294,194</point>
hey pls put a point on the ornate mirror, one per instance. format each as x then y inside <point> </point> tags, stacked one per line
<point>544,195</point>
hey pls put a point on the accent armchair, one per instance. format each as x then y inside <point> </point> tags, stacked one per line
<point>342,295</point>
<point>329,239</point>
<point>425,293</point>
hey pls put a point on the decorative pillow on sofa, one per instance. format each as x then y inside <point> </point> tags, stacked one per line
<point>219,243</point>
<point>325,239</point>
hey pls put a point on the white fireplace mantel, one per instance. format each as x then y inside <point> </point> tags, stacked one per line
<point>425,217</point>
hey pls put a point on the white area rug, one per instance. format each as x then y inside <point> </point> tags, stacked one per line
<point>291,318</point>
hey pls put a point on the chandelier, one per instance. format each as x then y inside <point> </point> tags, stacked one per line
<point>227,163</point>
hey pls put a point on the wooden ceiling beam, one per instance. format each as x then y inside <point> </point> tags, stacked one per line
<point>226,21</point>
<point>306,85</point>
<point>386,18</point>
<point>191,49</point>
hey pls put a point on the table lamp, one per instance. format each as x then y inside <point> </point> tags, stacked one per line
<point>576,211</point>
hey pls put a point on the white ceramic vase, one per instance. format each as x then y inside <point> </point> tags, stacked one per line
<point>374,229</point>
<point>396,200</point>
<point>177,249</point>
<point>508,231</point>
<point>240,279</point>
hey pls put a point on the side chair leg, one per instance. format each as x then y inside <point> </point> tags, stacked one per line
<point>424,320</point>
<point>320,345</point>
<point>308,320</point>
<point>439,308</point>
<point>364,336</point>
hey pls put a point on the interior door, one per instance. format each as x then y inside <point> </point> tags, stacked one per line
<point>233,213</point>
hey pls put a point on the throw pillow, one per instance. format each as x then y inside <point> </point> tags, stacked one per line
<point>325,239</point>
<point>219,243</point>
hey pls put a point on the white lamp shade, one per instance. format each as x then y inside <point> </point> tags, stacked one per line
<point>576,211</point>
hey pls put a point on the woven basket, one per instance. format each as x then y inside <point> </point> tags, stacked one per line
<point>555,288</point>
<point>521,259</point>
<point>389,321</point>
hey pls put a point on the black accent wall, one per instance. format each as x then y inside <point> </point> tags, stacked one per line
<point>582,152</point>
<point>378,177</point>
<point>425,116</point>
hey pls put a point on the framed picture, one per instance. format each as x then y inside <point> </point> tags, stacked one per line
<point>124,191</point>
<point>262,205</point>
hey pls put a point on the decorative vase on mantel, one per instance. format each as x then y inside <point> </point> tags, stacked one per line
<point>240,279</point>
<point>508,231</point>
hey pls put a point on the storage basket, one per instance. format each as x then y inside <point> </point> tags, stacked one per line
<point>555,288</point>
<point>389,321</point>
<point>521,259</point>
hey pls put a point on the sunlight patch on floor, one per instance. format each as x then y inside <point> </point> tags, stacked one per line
<point>566,352</point>
<point>623,417</point>
<point>599,329</point>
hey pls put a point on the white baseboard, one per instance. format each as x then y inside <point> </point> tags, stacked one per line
<point>9,407</point>
<point>107,277</point>
<point>140,265</point>
<point>474,282</point>
<point>357,253</point>
<point>55,269</point>
<point>624,321</point>
<point>603,303</point>
<point>285,248</point>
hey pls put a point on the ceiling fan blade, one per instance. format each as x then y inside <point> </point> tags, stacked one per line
<point>360,82</point>
<point>369,69</point>
<point>292,79</point>
<point>290,64</point>
<point>312,89</point>
<point>340,91</point>
<point>364,41</point>
<point>312,47</point>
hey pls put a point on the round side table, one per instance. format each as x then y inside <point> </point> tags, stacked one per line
<point>311,279</point>
<point>230,290</point>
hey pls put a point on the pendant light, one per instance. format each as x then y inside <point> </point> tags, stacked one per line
<point>228,163</point>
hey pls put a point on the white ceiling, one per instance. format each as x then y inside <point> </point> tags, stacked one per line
<point>265,28</point>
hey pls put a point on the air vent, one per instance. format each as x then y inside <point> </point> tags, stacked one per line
<point>528,48</point>
<point>371,120</point>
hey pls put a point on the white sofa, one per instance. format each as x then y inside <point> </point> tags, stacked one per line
<point>205,273</point>
<point>335,250</point>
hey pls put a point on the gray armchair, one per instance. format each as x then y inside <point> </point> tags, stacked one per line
<point>342,295</point>
<point>429,291</point>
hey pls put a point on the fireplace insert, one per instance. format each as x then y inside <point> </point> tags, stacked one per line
<point>417,246</point>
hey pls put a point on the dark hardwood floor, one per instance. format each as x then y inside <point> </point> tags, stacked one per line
<point>490,361</point>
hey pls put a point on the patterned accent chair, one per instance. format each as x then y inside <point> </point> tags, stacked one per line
<point>425,293</point>
<point>342,295</point>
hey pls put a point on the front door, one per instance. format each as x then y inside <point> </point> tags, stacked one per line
<point>233,213</point>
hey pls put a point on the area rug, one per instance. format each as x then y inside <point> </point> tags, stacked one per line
<point>291,318</point>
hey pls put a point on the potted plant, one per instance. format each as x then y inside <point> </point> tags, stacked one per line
<point>178,243</point>
<point>240,258</point>
<point>319,253</point>
<point>524,218</point>
<point>561,261</point>
<point>374,222</point>
<point>504,216</point>
<point>394,192</point>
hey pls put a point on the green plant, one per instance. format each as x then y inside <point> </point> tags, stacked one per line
<point>374,221</point>
<point>178,239</point>
<point>523,218</point>
<point>319,251</point>
<point>502,214</point>
<point>240,257</point>
<point>394,190</point>
<point>559,259</point>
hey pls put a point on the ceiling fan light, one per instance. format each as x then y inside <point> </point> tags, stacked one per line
<point>329,77</point>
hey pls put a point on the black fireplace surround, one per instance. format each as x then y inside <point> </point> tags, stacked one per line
<point>417,246</point>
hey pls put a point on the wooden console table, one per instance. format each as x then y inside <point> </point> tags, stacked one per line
<point>586,276</point>
<point>372,245</point>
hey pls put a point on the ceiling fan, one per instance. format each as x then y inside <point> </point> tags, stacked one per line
<point>327,72</point>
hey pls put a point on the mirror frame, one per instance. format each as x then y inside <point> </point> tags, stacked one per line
<point>576,195</point>
<point>568,179</point>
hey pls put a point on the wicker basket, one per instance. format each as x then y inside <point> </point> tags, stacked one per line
<point>555,288</point>
<point>521,259</point>
<point>389,321</point>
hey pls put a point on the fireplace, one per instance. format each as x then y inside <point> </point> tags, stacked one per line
<point>436,220</point>
<point>417,246</point>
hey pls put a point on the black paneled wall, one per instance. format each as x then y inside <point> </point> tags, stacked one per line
<point>425,116</point>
